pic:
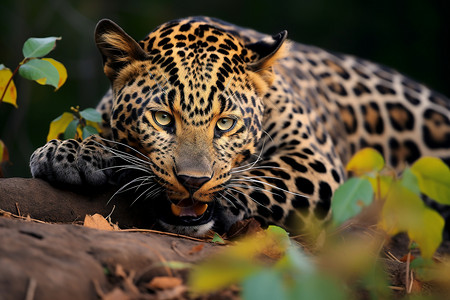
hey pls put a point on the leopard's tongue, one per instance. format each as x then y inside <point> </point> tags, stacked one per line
<point>195,210</point>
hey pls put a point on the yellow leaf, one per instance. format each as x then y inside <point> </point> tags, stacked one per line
<point>4,156</point>
<point>365,161</point>
<point>97,222</point>
<point>381,185</point>
<point>61,71</point>
<point>429,237</point>
<point>11,94</point>
<point>433,176</point>
<point>236,262</point>
<point>59,125</point>
<point>404,211</point>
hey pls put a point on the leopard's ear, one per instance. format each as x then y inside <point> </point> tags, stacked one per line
<point>265,53</point>
<point>118,49</point>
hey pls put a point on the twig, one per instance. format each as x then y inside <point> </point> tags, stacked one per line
<point>32,284</point>
<point>392,256</point>
<point>18,210</point>
<point>397,288</point>
<point>408,281</point>
<point>7,213</point>
<point>164,233</point>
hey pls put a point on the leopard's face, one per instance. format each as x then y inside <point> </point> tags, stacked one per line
<point>189,98</point>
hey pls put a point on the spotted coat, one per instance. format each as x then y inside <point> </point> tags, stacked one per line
<point>225,123</point>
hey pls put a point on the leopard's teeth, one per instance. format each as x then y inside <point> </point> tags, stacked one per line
<point>195,210</point>
<point>200,208</point>
<point>176,210</point>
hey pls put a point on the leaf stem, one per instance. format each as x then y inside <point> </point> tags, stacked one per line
<point>9,82</point>
<point>10,79</point>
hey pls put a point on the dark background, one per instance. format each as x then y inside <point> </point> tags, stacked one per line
<point>412,36</point>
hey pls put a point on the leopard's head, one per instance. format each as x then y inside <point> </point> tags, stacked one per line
<point>189,98</point>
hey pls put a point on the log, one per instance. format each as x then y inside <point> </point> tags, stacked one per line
<point>40,260</point>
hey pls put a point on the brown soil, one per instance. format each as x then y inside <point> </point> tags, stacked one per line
<point>46,254</point>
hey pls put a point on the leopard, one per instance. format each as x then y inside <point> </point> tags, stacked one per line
<point>217,123</point>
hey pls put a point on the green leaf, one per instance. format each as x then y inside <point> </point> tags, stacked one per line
<point>91,114</point>
<point>36,69</point>
<point>425,268</point>
<point>350,198</point>
<point>38,47</point>
<point>317,287</point>
<point>71,130</point>
<point>62,72</point>
<point>433,176</point>
<point>365,161</point>
<point>217,239</point>
<point>266,284</point>
<point>409,180</point>
<point>296,259</point>
<point>375,281</point>
<point>280,235</point>
<point>88,131</point>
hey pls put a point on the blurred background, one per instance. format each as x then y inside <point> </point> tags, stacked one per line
<point>412,36</point>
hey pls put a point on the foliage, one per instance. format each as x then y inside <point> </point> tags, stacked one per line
<point>402,208</point>
<point>75,125</point>
<point>45,71</point>
<point>269,265</point>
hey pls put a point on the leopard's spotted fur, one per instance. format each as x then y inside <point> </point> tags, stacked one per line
<point>297,113</point>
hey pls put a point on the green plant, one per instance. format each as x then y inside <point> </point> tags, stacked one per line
<point>45,71</point>
<point>75,125</point>
<point>402,208</point>
<point>271,266</point>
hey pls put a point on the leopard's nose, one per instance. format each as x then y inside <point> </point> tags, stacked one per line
<point>192,184</point>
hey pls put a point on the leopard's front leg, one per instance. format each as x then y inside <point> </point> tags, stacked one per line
<point>70,162</point>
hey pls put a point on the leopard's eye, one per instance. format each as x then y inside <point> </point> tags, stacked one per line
<point>225,124</point>
<point>162,118</point>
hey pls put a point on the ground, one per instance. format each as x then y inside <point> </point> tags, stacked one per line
<point>43,260</point>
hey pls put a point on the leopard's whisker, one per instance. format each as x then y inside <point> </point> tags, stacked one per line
<point>123,145</point>
<point>228,84</point>
<point>155,192</point>
<point>258,158</point>
<point>130,167</point>
<point>124,186</point>
<point>271,185</point>
<point>157,83</point>
<point>125,167</point>
<point>228,200</point>
<point>270,137</point>
<point>126,156</point>
<point>256,177</point>
<point>232,187</point>
<point>257,168</point>
<point>144,192</point>
<point>131,159</point>
<point>134,187</point>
